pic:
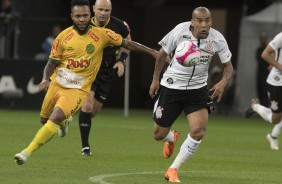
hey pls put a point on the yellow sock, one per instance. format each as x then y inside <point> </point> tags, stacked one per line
<point>43,135</point>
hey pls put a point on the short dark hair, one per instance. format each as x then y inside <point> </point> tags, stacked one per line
<point>79,3</point>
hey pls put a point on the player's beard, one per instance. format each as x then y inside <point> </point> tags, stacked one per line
<point>80,31</point>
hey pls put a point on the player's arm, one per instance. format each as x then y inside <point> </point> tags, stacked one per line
<point>48,71</point>
<point>267,55</point>
<point>124,52</point>
<point>218,88</point>
<point>137,47</point>
<point>160,61</point>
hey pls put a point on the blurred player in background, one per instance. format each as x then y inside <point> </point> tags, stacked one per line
<point>112,66</point>
<point>185,88</point>
<point>274,85</point>
<point>73,64</point>
<point>263,69</point>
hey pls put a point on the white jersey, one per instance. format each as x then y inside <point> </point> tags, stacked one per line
<point>275,76</point>
<point>180,77</point>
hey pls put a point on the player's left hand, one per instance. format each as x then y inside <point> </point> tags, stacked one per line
<point>120,68</point>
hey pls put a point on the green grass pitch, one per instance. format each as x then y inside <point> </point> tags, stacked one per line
<point>233,151</point>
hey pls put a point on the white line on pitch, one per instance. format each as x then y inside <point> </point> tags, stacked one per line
<point>100,178</point>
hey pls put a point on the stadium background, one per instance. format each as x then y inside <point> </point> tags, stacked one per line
<point>149,21</point>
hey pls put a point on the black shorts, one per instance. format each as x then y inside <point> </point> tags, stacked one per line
<point>103,83</point>
<point>171,102</point>
<point>275,97</point>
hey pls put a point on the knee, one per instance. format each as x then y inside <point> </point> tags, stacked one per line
<point>158,136</point>
<point>276,118</point>
<point>86,107</point>
<point>197,133</point>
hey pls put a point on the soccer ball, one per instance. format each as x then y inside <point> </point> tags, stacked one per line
<point>187,54</point>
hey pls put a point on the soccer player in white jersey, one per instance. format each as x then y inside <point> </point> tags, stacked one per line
<point>272,114</point>
<point>185,88</point>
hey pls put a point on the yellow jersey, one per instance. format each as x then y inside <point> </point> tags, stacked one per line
<point>79,57</point>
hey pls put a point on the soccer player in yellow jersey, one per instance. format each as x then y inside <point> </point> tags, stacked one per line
<point>74,61</point>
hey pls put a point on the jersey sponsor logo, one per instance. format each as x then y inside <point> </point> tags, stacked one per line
<point>187,37</point>
<point>69,79</point>
<point>93,36</point>
<point>82,63</point>
<point>205,58</point>
<point>70,49</point>
<point>112,35</point>
<point>90,48</point>
<point>69,37</point>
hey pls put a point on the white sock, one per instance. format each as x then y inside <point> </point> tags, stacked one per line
<point>187,149</point>
<point>276,130</point>
<point>169,137</point>
<point>264,112</point>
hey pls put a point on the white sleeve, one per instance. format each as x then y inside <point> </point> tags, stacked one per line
<point>276,42</point>
<point>223,50</point>
<point>168,42</point>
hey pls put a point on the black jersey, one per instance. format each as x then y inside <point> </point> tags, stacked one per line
<point>110,53</point>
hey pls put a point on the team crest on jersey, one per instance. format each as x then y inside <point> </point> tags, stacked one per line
<point>159,112</point>
<point>276,78</point>
<point>112,35</point>
<point>90,48</point>
<point>274,105</point>
<point>209,45</point>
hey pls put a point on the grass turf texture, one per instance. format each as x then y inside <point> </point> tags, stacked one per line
<point>234,151</point>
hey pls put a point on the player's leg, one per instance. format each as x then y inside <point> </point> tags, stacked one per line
<point>273,136</point>
<point>197,125</point>
<point>276,107</point>
<point>166,110</point>
<point>85,123</point>
<point>66,104</point>
<point>100,91</point>
<point>274,113</point>
<point>197,105</point>
<point>264,112</point>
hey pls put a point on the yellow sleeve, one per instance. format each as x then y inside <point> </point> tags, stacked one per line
<point>113,38</point>
<point>56,51</point>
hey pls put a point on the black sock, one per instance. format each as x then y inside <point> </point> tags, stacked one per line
<point>84,126</point>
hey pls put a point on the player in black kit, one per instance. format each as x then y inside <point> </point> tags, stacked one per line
<point>111,67</point>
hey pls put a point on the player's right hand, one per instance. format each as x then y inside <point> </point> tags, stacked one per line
<point>43,86</point>
<point>154,88</point>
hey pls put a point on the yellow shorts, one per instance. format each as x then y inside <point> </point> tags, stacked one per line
<point>68,100</point>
